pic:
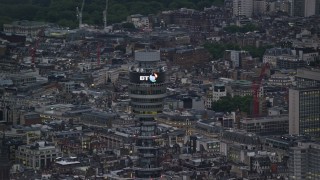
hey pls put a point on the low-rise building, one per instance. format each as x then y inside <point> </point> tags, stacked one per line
<point>270,56</point>
<point>26,28</point>
<point>209,145</point>
<point>290,62</point>
<point>266,125</point>
<point>139,21</point>
<point>242,88</point>
<point>279,79</point>
<point>98,119</point>
<point>219,90</point>
<point>38,155</point>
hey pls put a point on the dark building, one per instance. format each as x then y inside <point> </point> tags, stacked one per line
<point>147,89</point>
<point>317,7</point>
<point>298,8</point>
<point>5,164</point>
<point>98,119</point>
<point>191,57</point>
<point>18,39</point>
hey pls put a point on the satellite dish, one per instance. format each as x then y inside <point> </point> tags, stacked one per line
<point>82,85</point>
<point>137,69</point>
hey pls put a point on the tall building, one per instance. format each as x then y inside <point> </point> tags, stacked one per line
<point>4,161</point>
<point>304,8</point>
<point>147,89</point>
<point>304,103</point>
<point>243,8</point>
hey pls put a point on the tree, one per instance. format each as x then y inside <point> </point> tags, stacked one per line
<point>244,29</point>
<point>228,104</point>
<point>217,49</point>
<point>61,10</point>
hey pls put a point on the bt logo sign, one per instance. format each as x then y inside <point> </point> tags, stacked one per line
<point>153,77</point>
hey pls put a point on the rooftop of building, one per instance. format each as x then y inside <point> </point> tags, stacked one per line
<point>40,145</point>
<point>100,114</point>
<point>265,119</point>
<point>241,83</point>
<point>311,73</point>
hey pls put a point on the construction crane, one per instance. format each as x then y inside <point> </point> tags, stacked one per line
<point>105,13</point>
<point>256,89</point>
<point>79,14</point>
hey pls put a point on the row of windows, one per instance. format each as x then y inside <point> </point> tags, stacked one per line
<point>147,128</point>
<point>147,133</point>
<point>147,100</point>
<point>144,85</point>
<point>146,112</point>
<point>147,106</point>
<point>147,88</point>
<point>145,92</point>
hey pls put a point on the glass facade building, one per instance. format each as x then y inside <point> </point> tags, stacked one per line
<point>304,104</point>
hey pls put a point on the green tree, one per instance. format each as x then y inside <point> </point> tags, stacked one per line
<point>63,11</point>
<point>244,29</point>
<point>217,49</point>
<point>228,104</point>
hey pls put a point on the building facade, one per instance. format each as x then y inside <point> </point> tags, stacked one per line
<point>147,89</point>
<point>219,90</point>
<point>304,103</point>
<point>38,155</point>
<point>243,8</point>
<point>304,161</point>
<point>26,28</point>
<point>266,125</point>
<point>5,164</point>
<point>304,8</point>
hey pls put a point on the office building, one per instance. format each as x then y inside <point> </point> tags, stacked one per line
<point>304,161</point>
<point>304,8</point>
<point>266,125</point>
<point>304,103</point>
<point>243,8</point>
<point>38,155</point>
<point>147,89</point>
<point>5,164</point>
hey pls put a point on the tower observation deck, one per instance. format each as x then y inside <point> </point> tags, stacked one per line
<point>147,89</point>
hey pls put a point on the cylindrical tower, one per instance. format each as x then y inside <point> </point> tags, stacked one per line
<point>147,89</point>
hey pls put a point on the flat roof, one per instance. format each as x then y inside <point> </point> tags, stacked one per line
<point>63,163</point>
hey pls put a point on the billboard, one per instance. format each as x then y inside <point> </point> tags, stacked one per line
<point>155,77</point>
